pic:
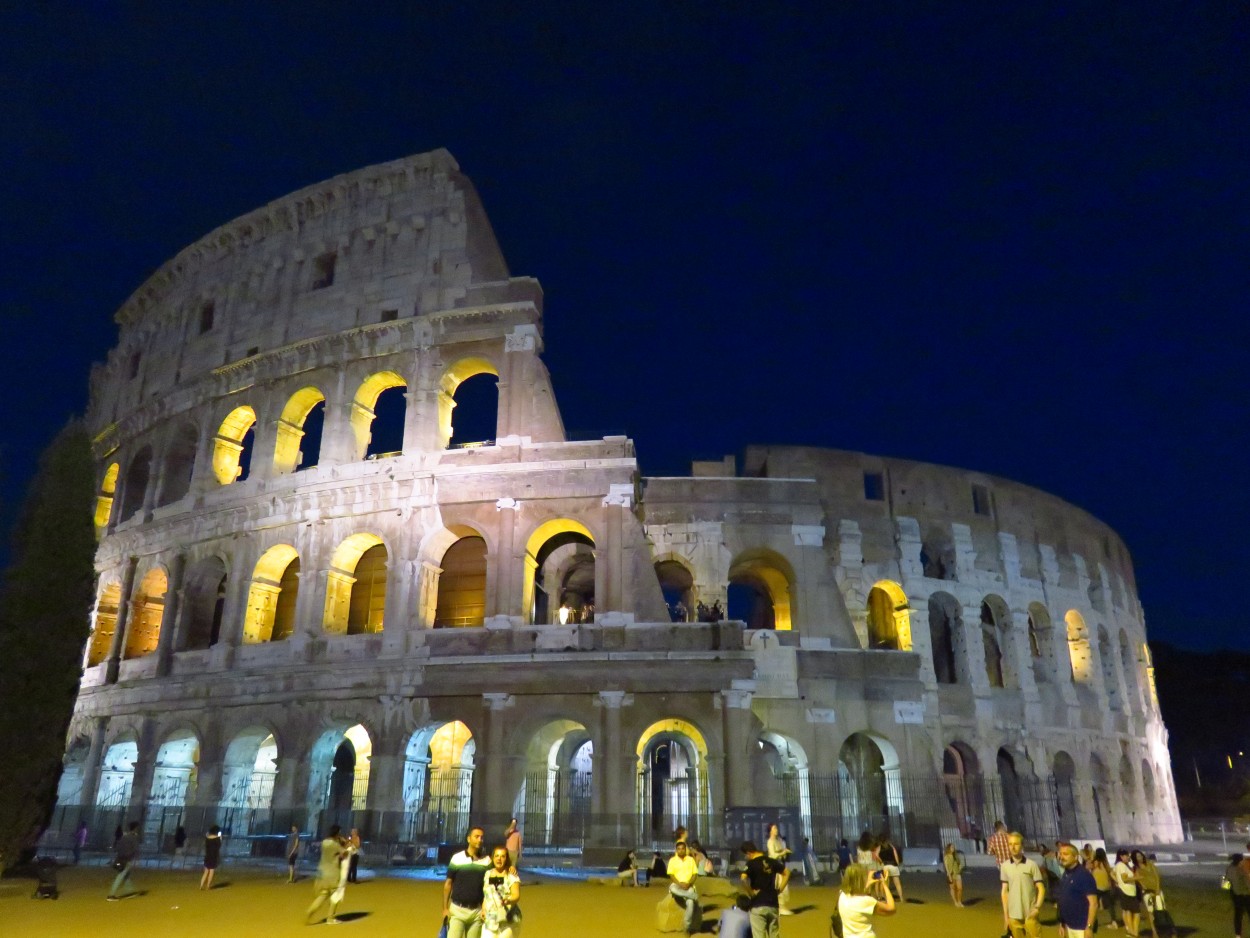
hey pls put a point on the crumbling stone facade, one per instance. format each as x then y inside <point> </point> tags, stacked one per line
<point>413,631</point>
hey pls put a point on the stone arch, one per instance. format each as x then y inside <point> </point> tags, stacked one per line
<point>781,774</point>
<point>232,446</point>
<point>203,604</point>
<point>1063,778</point>
<point>271,598</point>
<point>761,590</point>
<point>117,771</point>
<point>175,774</point>
<point>553,802</point>
<point>457,374</point>
<point>104,499</point>
<point>356,586</point>
<point>107,605</point>
<point>461,593</point>
<point>1101,789</point>
<point>338,780</point>
<point>870,784</point>
<point>1078,647</point>
<point>1041,643</point>
<point>135,484</point>
<point>1106,659</point>
<point>249,771</point>
<point>889,617</point>
<point>1148,783</point>
<point>293,425</point>
<point>964,787</point>
<point>69,789</point>
<point>569,569</point>
<point>179,464</point>
<point>143,633</point>
<point>937,554</point>
<point>1013,806</point>
<point>438,782</point>
<point>673,785</point>
<point>366,411</point>
<point>677,587</point>
<point>536,591</point>
<point>1128,665</point>
<point>995,627</point>
<point>946,638</point>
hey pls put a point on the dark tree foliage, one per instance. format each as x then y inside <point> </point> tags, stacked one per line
<point>45,604</point>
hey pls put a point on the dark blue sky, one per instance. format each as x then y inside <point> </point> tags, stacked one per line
<point>1012,237</point>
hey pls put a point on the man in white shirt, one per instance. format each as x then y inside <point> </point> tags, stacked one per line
<point>1024,888</point>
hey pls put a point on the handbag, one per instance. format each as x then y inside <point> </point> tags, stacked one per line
<point>514,914</point>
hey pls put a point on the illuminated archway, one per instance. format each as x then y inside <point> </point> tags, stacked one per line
<point>288,455</point>
<point>677,587</point>
<point>673,784</point>
<point>760,590</point>
<point>365,411</point>
<point>174,778</point>
<point>232,446</point>
<point>889,617</point>
<point>144,631</point>
<point>356,586</point>
<point>106,609</point>
<point>104,500</point>
<point>117,772</point>
<point>1078,647</point>
<point>438,782</point>
<point>452,378</point>
<point>249,771</point>
<point>271,598</point>
<point>870,784</point>
<point>539,583</point>
<point>554,798</point>
<point>461,598</point>
<point>338,781</point>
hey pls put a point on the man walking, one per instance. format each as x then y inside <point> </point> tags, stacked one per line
<point>127,854</point>
<point>464,888</point>
<point>1076,895</point>
<point>763,886</point>
<point>1024,889</point>
<point>682,872</point>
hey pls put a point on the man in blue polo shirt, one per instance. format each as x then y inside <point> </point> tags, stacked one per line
<point>1076,894</point>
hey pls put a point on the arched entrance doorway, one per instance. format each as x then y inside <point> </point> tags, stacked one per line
<point>438,783</point>
<point>870,787</point>
<point>553,804</point>
<point>338,784</point>
<point>965,792</point>
<point>248,774</point>
<point>673,789</point>
<point>1063,778</point>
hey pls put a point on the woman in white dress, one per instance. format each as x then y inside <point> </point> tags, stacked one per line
<point>777,850</point>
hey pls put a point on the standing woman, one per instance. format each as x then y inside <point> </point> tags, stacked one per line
<point>953,860</point>
<point>212,856</point>
<point>891,861</point>
<point>856,908</point>
<point>1148,887</point>
<point>353,866</point>
<point>1126,886</point>
<point>1105,885</point>
<point>777,850</point>
<point>501,896</point>
<point>866,856</point>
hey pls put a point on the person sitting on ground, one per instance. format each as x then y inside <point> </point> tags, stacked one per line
<point>657,870</point>
<point>682,872</point>
<point>627,869</point>
<point>856,907</point>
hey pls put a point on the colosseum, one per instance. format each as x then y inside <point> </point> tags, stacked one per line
<point>323,597</point>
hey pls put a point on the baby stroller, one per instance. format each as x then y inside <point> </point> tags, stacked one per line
<point>45,869</point>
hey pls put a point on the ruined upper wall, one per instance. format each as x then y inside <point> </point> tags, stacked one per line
<point>391,241</point>
<point>938,496</point>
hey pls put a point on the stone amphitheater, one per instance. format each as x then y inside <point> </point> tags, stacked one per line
<point>323,596</point>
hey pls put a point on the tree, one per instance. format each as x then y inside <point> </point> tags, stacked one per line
<point>45,605</point>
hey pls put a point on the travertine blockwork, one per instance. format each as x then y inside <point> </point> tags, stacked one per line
<point>386,622</point>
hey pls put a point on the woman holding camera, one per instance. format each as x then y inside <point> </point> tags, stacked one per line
<point>501,911</point>
<point>856,907</point>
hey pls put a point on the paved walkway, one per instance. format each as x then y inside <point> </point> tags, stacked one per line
<point>256,903</point>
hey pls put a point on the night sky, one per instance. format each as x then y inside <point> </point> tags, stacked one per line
<point>1009,237</point>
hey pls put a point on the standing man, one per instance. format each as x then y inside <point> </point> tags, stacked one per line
<point>292,852</point>
<point>682,872</point>
<point>1024,889</point>
<point>996,846</point>
<point>328,875</point>
<point>1076,895</point>
<point>763,886</point>
<point>127,855</point>
<point>512,841</point>
<point>465,887</point>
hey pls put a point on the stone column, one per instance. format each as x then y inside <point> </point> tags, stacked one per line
<point>166,643</point>
<point>123,621</point>
<point>234,609</point>
<point>502,588</point>
<point>736,714</point>
<point>491,806</point>
<point>521,347</point>
<point>611,769</point>
<point>974,649</point>
<point>95,757</point>
<point>611,554</point>
<point>144,768</point>
<point>209,769</point>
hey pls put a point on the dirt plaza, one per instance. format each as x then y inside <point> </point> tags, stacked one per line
<point>256,901</point>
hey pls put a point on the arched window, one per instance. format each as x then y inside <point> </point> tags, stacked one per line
<point>106,608</point>
<point>232,446</point>
<point>889,617</point>
<point>560,573</point>
<point>378,414</point>
<point>1041,644</point>
<point>1078,647</point>
<point>271,598</point>
<point>760,590</point>
<point>204,604</point>
<point>462,584</point>
<point>135,486</point>
<point>104,500</point>
<point>477,406</point>
<point>179,463</point>
<point>995,619</point>
<point>144,631</point>
<point>677,587</point>
<point>945,624</point>
<point>356,586</point>
<point>1064,779</point>
<point>298,444</point>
